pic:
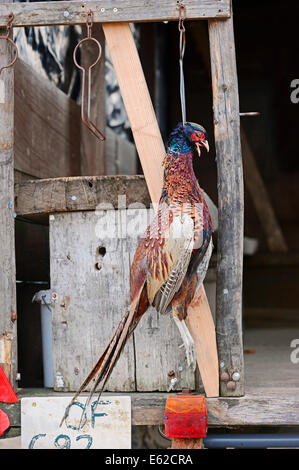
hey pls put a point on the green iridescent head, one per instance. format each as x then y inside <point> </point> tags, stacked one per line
<point>185,138</point>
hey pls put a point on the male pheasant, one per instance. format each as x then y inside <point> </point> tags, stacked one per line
<point>172,258</point>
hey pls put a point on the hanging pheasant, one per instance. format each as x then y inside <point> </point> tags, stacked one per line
<point>171,260</point>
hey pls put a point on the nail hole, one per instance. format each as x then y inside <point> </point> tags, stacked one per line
<point>98,267</point>
<point>102,251</point>
<point>90,184</point>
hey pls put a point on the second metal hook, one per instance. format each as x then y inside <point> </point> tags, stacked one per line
<point>86,79</point>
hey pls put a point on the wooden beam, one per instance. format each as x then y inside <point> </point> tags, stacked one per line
<point>106,11</point>
<point>8,327</point>
<point>136,97</point>
<point>259,195</point>
<point>269,407</point>
<point>84,193</point>
<point>151,151</point>
<point>230,206</point>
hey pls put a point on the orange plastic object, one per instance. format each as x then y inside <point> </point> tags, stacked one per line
<point>4,422</point>
<point>186,416</point>
<point>7,394</point>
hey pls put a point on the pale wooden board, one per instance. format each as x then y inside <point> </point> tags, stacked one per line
<point>200,318</point>
<point>50,13</point>
<point>107,426</point>
<point>96,300</point>
<point>136,97</point>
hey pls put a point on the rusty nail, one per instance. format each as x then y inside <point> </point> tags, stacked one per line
<point>171,373</point>
<point>231,385</point>
<point>13,316</point>
<point>224,377</point>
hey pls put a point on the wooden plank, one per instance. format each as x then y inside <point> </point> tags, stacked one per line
<point>55,194</point>
<point>200,318</point>
<point>47,144</point>
<point>138,104</point>
<point>69,13</point>
<point>273,407</point>
<point>8,327</point>
<point>78,193</point>
<point>230,203</point>
<point>259,195</point>
<point>89,302</point>
<point>151,150</point>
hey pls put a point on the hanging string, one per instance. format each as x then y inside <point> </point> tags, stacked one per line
<point>182,44</point>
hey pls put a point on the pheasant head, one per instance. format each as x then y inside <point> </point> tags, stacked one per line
<point>186,138</point>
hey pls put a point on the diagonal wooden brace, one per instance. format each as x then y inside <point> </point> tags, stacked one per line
<point>151,152</point>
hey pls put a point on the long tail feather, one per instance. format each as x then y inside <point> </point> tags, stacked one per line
<point>106,362</point>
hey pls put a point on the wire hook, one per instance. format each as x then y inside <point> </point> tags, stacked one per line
<point>9,23</point>
<point>86,81</point>
<point>182,45</point>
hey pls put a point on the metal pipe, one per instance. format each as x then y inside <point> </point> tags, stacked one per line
<point>252,441</point>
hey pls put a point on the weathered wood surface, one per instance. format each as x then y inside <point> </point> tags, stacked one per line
<point>200,318</point>
<point>68,13</point>
<point>137,100</point>
<point>47,127</point>
<point>92,294</point>
<point>273,407</point>
<point>230,202</point>
<point>46,196</point>
<point>56,143</point>
<point>8,328</point>
<point>258,192</point>
<point>79,193</point>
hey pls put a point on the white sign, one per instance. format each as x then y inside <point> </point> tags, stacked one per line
<point>106,425</point>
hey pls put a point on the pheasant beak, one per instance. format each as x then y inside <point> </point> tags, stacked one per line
<point>202,143</point>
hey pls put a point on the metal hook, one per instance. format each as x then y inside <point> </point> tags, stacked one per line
<point>9,23</point>
<point>86,81</point>
<point>182,45</point>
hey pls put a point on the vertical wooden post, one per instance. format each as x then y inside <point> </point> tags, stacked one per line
<point>8,334</point>
<point>230,207</point>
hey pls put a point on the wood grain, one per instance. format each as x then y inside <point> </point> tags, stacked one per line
<point>230,202</point>
<point>47,127</point>
<point>51,13</point>
<point>136,97</point>
<point>8,328</point>
<point>200,319</point>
